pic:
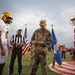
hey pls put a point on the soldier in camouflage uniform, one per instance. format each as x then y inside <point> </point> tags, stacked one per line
<point>40,40</point>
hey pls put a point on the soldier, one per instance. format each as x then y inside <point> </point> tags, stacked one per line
<point>6,20</point>
<point>40,40</point>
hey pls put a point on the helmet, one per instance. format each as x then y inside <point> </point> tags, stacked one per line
<point>72,17</point>
<point>6,15</point>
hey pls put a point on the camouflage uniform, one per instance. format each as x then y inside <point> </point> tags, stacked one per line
<point>39,51</point>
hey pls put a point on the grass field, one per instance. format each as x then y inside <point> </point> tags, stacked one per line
<point>26,65</point>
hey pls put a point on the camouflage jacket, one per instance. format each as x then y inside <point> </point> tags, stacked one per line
<point>42,35</point>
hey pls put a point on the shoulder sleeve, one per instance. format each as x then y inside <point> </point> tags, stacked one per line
<point>48,41</point>
<point>12,38</point>
<point>33,37</point>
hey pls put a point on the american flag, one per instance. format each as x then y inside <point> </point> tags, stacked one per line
<point>67,68</point>
<point>26,46</point>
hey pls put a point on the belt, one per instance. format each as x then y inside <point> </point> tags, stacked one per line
<point>17,47</point>
<point>41,45</point>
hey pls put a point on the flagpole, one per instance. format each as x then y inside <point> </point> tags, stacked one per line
<point>52,26</point>
<point>25,25</point>
<point>55,48</point>
<point>24,34</point>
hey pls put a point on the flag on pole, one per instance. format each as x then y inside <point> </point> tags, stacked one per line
<point>55,48</point>
<point>54,39</point>
<point>26,46</point>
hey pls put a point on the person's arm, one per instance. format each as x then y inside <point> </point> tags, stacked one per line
<point>22,42</point>
<point>8,44</point>
<point>9,49</point>
<point>1,46</point>
<point>12,41</point>
<point>33,39</point>
<point>48,40</point>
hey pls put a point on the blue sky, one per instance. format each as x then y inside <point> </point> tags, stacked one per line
<point>30,12</point>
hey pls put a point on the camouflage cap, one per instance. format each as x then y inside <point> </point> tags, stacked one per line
<point>43,22</point>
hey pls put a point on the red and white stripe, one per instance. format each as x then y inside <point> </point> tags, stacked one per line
<point>68,68</point>
<point>25,47</point>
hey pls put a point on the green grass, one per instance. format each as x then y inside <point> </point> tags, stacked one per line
<point>26,65</point>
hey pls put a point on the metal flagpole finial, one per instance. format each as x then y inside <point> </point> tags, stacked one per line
<point>25,25</point>
<point>52,25</point>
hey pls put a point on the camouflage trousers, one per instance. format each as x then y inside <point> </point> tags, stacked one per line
<point>36,59</point>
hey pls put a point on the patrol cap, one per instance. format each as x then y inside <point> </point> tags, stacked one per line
<point>43,22</point>
<point>19,29</point>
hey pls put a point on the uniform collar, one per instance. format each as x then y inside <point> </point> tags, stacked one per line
<point>18,36</point>
<point>42,29</point>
